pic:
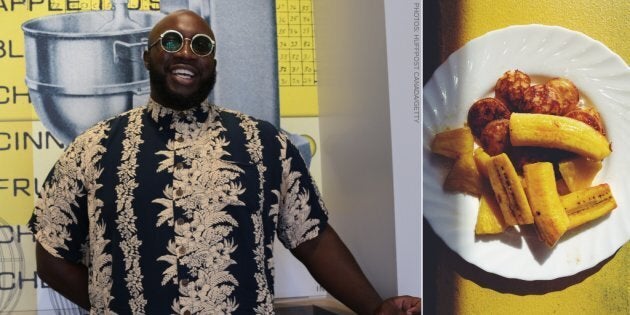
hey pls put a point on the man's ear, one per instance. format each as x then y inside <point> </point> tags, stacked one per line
<point>145,57</point>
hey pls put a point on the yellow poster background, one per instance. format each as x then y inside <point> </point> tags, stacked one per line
<point>28,150</point>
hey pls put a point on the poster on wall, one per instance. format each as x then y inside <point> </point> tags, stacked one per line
<point>67,64</point>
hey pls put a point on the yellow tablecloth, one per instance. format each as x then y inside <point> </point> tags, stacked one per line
<point>453,286</point>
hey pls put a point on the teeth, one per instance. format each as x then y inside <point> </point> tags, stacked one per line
<point>183,72</point>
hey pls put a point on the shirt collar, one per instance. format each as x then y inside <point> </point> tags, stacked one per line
<point>166,116</point>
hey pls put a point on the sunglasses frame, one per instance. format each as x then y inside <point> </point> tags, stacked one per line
<point>159,40</point>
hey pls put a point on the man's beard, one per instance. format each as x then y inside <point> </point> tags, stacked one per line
<point>181,102</point>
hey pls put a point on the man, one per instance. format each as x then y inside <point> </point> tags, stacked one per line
<point>172,207</point>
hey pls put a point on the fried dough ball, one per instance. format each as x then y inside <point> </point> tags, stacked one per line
<point>542,99</point>
<point>589,116</point>
<point>495,137</point>
<point>510,88</point>
<point>484,111</point>
<point>568,93</point>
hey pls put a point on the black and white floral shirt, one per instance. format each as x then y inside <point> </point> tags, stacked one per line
<point>176,212</point>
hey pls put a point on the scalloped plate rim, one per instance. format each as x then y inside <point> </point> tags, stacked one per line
<point>458,238</point>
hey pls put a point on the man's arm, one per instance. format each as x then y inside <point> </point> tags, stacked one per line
<point>333,266</point>
<point>69,279</point>
<point>330,262</point>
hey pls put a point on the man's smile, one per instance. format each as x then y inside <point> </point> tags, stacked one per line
<point>183,74</point>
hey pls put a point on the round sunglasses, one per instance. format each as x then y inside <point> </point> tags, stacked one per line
<point>172,41</point>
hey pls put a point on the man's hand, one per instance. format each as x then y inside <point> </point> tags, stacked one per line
<point>407,305</point>
<point>330,262</point>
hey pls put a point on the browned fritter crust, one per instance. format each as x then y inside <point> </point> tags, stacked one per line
<point>542,99</point>
<point>484,111</point>
<point>588,116</point>
<point>569,94</point>
<point>495,137</point>
<point>510,88</point>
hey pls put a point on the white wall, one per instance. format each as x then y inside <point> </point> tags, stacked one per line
<point>356,145</point>
<point>404,63</point>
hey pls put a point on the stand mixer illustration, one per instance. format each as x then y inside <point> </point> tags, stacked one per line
<point>85,67</point>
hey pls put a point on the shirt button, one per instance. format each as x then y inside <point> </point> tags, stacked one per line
<point>182,250</point>
<point>187,313</point>
<point>184,282</point>
<point>180,139</point>
<point>179,192</point>
<point>180,221</point>
<point>179,165</point>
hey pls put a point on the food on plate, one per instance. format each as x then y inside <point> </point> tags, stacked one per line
<point>484,111</point>
<point>562,187</point>
<point>464,176</point>
<point>589,116</point>
<point>527,155</point>
<point>550,218</point>
<point>481,159</point>
<point>578,173</point>
<point>588,204</point>
<point>489,218</point>
<point>542,99</point>
<point>458,144</point>
<point>509,191</point>
<point>510,88</point>
<point>569,94</point>
<point>453,143</point>
<point>547,134</point>
<point>495,138</point>
<point>558,132</point>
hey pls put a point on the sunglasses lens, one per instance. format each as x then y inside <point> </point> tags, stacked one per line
<point>202,45</point>
<point>172,41</point>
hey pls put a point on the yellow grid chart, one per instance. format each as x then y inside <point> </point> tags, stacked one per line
<point>296,48</point>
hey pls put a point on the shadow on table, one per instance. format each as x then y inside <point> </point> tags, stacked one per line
<point>440,263</point>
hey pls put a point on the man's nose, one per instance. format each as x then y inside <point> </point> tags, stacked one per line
<point>186,52</point>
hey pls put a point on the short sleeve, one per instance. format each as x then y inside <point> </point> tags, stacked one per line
<point>302,214</point>
<point>59,220</point>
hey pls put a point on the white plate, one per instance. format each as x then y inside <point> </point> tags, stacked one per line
<point>470,73</point>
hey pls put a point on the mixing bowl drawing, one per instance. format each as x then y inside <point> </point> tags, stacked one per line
<point>77,75</point>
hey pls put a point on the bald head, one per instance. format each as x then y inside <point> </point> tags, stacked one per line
<point>180,18</point>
